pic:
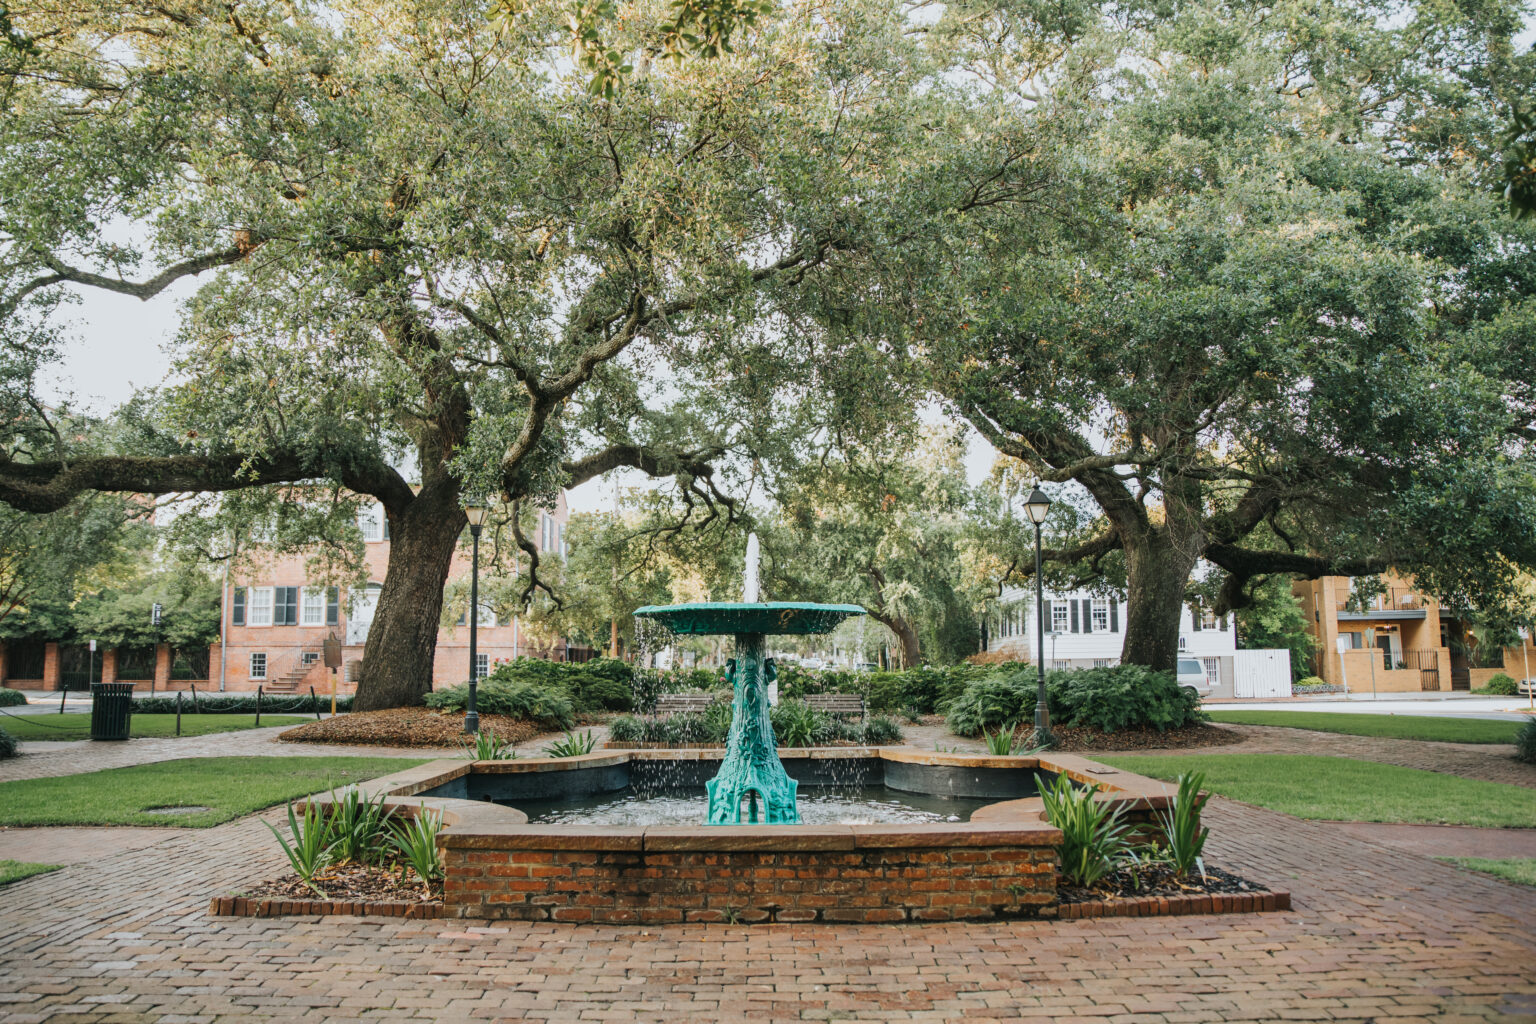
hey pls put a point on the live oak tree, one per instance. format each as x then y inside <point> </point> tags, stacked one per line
<point>1293,335</point>
<point>434,263</point>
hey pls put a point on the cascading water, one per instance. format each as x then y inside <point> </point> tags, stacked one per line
<point>751,784</point>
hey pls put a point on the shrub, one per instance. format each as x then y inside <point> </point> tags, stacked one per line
<point>1105,699</point>
<point>627,729</point>
<point>356,828</point>
<point>11,698</point>
<point>880,730</point>
<point>572,744</point>
<point>7,745</point>
<point>1309,682</point>
<point>602,684</point>
<point>223,703</point>
<point>547,707</point>
<point>1525,743</point>
<point>1500,685</point>
<point>797,724</point>
<point>1093,838</point>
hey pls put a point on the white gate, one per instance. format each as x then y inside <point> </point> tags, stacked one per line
<point>1261,673</point>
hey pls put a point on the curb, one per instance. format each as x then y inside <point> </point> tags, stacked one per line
<point>241,906</point>
<point>1175,906</point>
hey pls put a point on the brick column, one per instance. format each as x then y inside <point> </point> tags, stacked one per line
<point>51,674</point>
<point>162,666</point>
<point>109,665</point>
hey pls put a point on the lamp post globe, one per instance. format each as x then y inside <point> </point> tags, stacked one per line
<point>1037,506</point>
<point>475,511</point>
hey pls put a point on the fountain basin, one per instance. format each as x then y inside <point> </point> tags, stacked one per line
<point>1000,863</point>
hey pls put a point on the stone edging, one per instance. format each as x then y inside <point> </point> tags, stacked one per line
<point>242,906</point>
<point>1174,906</point>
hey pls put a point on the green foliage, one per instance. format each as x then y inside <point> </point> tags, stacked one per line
<point>356,827</point>
<point>1499,685</point>
<point>797,724</point>
<point>222,703</point>
<point>602,684</point>
<point>64,728</point>
<point>572,744</point>
<point>16,870</point>
<point>7,745</point>
<point>1093,837</point>
<point>1275,620</point>
<point>1183,836</point>
<point>487,746</point>
<point>880,731</point>
<point>1309,683</point>
<point>308,851</point>
<point>626,729</point>
<point>1406,727</point>
<point>922,690</point>
<point>1525,743</point>
<point>1105,699</point>
<point>416,840</point>
<point>548,707</point>
<point>11,698</point>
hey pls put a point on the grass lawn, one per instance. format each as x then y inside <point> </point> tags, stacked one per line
<point>78,726</point>
<point>1402,727</point>
<point>227,786</point>
<point>1513,869</point>
<point>1342,789</point>
<point>16,870</point>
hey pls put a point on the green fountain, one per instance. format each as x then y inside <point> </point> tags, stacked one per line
<point>751,774</point>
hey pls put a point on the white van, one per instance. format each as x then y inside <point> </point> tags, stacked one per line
<point>1192,675</point>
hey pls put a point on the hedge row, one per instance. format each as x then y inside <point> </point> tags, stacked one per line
<point>795,724</point>
<point>1104,699</point>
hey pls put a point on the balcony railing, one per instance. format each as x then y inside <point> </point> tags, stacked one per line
<point>1393,599</point>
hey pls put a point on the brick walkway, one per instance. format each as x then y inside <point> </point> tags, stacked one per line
<point>1377,935</point>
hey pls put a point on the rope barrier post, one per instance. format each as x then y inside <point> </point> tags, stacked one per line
<point>197,708</point>
<point>258,706</point>
<point>178,712</point>
<point>314,703</point>
<point>63,690</point>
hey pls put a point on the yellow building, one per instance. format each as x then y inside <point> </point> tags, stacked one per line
<point>1384,634</point>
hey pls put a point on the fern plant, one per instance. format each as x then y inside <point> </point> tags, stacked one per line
<point>572,744</point>
<point>1182,831</point>
<point>416,841</point>
<point>1093,836</point>
<point>309,852</point>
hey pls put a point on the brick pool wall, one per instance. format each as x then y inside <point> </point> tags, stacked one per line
<point>841,874</point>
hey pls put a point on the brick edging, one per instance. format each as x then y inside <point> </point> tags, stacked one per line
<point>242,906</point>
<point>1173,906</point>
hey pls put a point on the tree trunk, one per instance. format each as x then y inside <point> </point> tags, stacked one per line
<point>397,660</point>
<point>911,653</point>
<point>1157,572</point>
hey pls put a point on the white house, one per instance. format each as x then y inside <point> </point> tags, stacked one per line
<point>1083,630</point>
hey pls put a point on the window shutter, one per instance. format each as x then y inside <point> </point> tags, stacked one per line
<point>1050,623</point>
<point>237,608</point>
<point>1194,614</point>
<point>1087,616</point>
<point>1073,606</point>
<point>1114,616</point>
<point>332,606</point>
<point>286,612</point>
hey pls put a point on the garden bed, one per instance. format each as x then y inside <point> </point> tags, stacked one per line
<point>1078,740</point>
<point>352,883</point>
<point>407,727</point>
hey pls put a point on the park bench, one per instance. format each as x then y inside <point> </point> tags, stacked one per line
<point>669,704</point>
<point>838,705</point>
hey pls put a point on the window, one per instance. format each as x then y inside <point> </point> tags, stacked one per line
<point>1182,643</point>
<point>332,605</point>
<point>369,521</point>
<point>1100,616</point>
<point>314,607</point>
<point>259,665</point>
<point>482,665</point>
<point>237,608</point>
<point>310,657</point>
<point>260,606</point>
<point>285,606</point>
<point>1059,616</point>
<point>1212,670</point>
<point>1207,618</point>
<point>486,618</point>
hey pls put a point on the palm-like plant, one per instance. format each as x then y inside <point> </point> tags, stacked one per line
<point>416,841</point>
<point>1182,831</point>
<point>572,744</point>
<point>309,852</point>
<point>1093,836</point>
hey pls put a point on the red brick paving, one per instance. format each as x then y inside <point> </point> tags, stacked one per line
<point>1377,935</point>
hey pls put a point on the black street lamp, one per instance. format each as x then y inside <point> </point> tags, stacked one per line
<point>1037,505</point>
<point>475,512</point>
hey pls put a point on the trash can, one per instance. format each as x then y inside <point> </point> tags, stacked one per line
<point>111,709</point>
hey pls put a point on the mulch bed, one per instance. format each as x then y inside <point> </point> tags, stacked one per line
<point>1157,881</point>
<point>1077,740</point>
<point>1156,893</point>
<point>352,883</point>
<point>407,727</point>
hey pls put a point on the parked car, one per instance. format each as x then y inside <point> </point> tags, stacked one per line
<point>1524,686</point>
<point>1192,675</point>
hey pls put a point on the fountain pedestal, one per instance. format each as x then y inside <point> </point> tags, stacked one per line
<point>751,772</point>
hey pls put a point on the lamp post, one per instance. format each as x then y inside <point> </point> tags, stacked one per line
<point>475,512</point>
<point>1037,505</point>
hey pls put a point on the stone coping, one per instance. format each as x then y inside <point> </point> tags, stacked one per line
<point>485,825</point>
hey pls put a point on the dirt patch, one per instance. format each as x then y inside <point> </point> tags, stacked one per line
<point>1157,880</point>
<point>353,882</point>
<point>407,727</point>
<point>1078,740</point>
